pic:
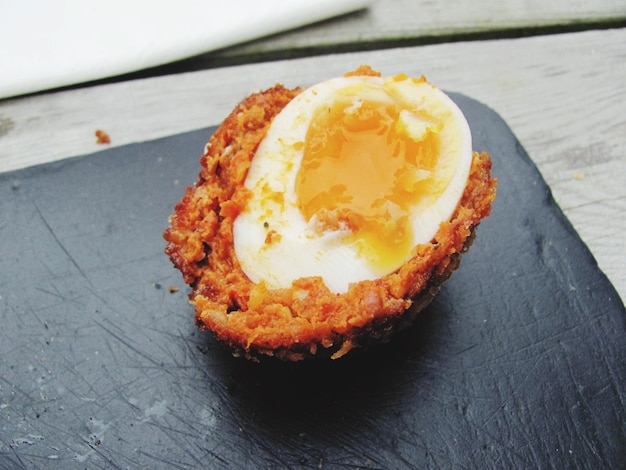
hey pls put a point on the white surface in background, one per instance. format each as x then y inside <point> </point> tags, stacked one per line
<point>51,43</point>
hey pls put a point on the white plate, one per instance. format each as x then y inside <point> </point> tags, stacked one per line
<point>51,43</point>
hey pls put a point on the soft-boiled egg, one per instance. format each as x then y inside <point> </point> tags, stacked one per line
<point>353,173</point>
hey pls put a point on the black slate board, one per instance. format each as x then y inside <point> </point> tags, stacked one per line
<point>520,362</point>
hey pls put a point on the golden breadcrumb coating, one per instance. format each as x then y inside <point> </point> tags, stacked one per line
<point>307,319</point>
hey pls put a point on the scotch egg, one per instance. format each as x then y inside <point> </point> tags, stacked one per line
<point>324,219</point>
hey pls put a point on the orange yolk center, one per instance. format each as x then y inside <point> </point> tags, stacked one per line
<point>362,171</point>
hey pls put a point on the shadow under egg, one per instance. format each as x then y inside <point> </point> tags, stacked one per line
<point>316,400</point>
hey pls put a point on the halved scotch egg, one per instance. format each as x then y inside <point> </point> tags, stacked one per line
<point>326,218</point>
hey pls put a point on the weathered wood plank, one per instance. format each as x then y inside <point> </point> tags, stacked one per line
<point>410,21</point>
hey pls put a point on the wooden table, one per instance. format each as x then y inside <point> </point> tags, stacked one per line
<point>556,73</point>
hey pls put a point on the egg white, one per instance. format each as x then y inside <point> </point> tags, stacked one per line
<point>297,248</point>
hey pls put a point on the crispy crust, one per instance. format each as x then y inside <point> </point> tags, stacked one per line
<point>307,319</point>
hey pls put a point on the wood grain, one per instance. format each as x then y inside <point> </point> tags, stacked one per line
<point>563,96</point>
<point>409,21</point>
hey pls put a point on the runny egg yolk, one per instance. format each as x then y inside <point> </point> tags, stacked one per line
<point>352,175</point>
<point>364,167</point>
